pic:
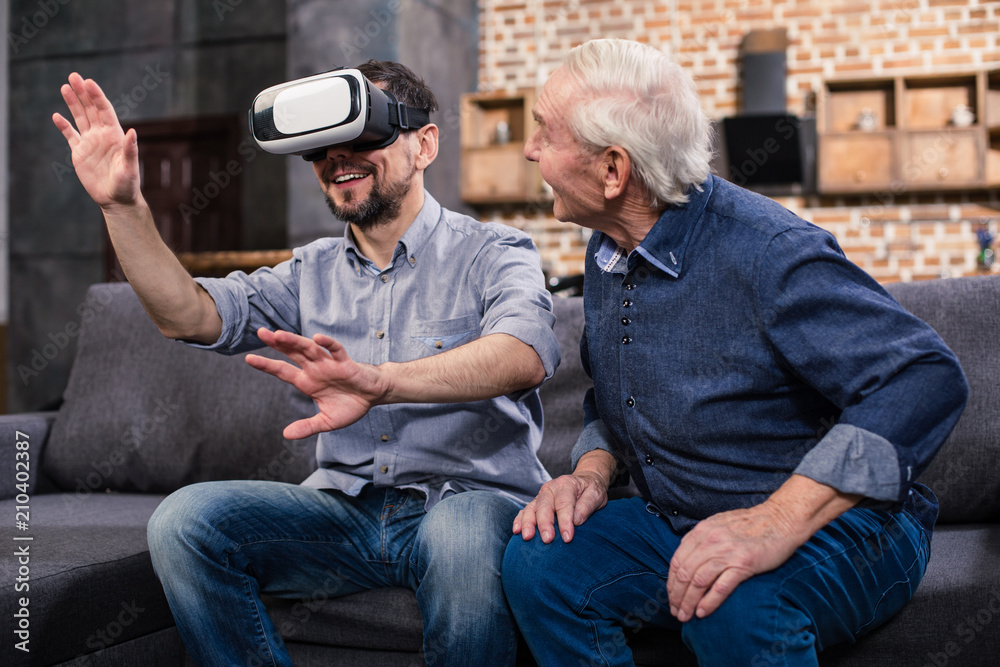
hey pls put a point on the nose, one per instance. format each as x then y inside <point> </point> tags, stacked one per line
<point>531,146</point>
<point>340,151</point>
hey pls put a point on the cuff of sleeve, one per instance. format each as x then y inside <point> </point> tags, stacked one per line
<point>853,460</point>
<point>541,338</point>
<point>595,435</point>
<point>234,309</point>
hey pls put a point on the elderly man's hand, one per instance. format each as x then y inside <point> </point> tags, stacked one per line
<point>569,500</point>
<point>726,549</point>
<point>344,391</point>
<point>722,552</point>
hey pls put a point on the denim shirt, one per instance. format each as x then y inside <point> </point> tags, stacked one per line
<point>452,280</point>
<point>736,345</point>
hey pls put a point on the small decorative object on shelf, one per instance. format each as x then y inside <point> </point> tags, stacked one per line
<point>867,122</point>
<point>962,116</point>
<point>502,133</point>
<point>986,257</point>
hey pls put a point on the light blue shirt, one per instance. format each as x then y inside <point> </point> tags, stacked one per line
<point>452,280</point>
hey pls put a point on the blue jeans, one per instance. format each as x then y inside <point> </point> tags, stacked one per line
<point>218,546</point>
<point>576,602</point>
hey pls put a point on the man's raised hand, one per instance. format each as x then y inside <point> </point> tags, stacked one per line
<point>344,391</point>
<point>105,157</point>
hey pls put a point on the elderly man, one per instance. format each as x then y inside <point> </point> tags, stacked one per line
<point>773,405</point>
<point>434,307</point>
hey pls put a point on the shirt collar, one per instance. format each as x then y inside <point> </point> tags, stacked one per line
<point>665,243</point>
<point>413,238</point>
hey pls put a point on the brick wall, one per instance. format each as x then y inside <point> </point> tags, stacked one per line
<point>908,236</point>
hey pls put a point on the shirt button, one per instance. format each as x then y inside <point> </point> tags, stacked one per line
<point>384,278</point>
<point>385,438</point>
<point>380,334</point>
<point>675,512</point>
<point>384,469</point>
<point>627,303</point>
<point>412,260</point>
<point>438,344</point>
<point>630,402</point>
<point>649,460</point>
<point>629,287</point>
<point>626,340</point>
<point>626,321</point>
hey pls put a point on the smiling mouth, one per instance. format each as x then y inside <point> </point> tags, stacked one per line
<point>344,178</point>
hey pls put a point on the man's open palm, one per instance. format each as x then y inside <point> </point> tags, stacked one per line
<point>343,390</point>
<point>106,159</point>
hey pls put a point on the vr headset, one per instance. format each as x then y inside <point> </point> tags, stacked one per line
<point>306,116</point>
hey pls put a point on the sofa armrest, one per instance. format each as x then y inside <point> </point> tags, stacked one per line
<point>30,427</point>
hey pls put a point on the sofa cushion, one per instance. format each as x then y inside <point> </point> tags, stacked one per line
<point>90,581</point>
<point>966,313</point>
<point>383,618</point>
<point>142,413</point>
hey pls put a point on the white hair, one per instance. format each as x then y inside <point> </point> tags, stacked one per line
<point>636,97</point>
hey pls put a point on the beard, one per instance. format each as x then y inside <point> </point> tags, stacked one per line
<point>379,207</point>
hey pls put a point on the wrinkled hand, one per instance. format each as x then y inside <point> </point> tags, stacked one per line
<point>106,159</point>
<point>723,551</point>
<point>344,391</point>
<point>568,500</point>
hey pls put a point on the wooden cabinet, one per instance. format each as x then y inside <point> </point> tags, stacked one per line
<point>911,133</point>
<point>494,129</point>
<point>857,161</point>
<point>992,122</point>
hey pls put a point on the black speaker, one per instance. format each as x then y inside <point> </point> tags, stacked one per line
<point>764,82</point>
<point>769,149</point>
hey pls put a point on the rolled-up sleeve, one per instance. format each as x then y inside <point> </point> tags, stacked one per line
<point>515,301</point>
<point>899,388</point>
<point>268,297</point>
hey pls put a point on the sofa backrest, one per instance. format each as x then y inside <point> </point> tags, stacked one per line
<point>142,413</point>
<point>562,396</point>
<point>965,312</point>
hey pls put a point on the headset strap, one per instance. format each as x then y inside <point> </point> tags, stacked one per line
<point>408,118</point>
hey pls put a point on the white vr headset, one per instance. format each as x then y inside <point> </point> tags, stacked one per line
<point>306,116</point>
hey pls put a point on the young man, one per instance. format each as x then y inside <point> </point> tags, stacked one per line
<point>725,337</point>
<point>416,304</point>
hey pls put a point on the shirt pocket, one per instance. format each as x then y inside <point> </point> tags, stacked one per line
<point>435,336</point>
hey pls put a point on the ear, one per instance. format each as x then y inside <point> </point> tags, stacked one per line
<point>616,171</point>
<point>427,138</point>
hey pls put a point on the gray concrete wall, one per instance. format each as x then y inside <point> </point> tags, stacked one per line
<point>437,39</point>
<point>155,60</point>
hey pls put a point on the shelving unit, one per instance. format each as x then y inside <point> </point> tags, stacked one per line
<point>912,133</point>
<point>494,128</point>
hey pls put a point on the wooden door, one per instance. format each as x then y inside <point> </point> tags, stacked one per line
<point>190,177</point>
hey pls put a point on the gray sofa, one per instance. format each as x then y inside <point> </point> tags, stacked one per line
<point>143,415</point>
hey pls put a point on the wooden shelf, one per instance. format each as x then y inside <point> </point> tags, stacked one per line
<point>914,133</point>
<point>219,264</point>
<point>494,129</point>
